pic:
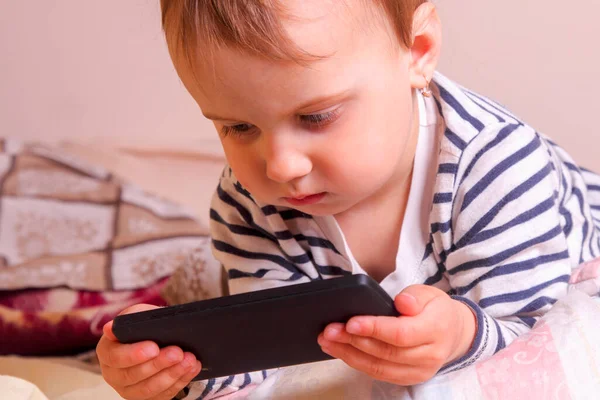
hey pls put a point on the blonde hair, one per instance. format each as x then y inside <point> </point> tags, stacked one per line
<point>254,26</point>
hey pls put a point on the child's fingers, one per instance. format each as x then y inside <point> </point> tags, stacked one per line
<point>337,332</point>
<point>400,332</point>
<point>413,300</point>
<point>138,308</point>
<point>108,333</point>
<point>168,357</point>
<point>165,379</point>
<point>107,328</point>
<point>171,392</point>
<point>118,355</point>
<point>423,356</point>
<point>376,367</point>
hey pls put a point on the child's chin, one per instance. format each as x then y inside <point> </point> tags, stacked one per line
<point>322,210</point>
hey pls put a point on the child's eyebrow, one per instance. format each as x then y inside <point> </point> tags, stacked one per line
<point>307,106</point>
<point>324,100</point>
<point>216,117</point>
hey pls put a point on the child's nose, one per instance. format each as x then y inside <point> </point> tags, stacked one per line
<point>285,165</point>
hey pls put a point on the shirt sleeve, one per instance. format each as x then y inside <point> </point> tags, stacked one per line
<point>508,257</point>
<point>253,242</point>
<point>221,387</point>
<point>253,245</point>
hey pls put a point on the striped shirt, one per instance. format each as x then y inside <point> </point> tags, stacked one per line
<point>497,217</point>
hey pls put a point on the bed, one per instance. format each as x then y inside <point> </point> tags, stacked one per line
<point>87,230</point>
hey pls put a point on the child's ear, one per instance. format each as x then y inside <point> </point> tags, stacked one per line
<point>425,50</point>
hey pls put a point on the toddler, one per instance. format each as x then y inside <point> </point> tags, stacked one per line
<point>349,154</point>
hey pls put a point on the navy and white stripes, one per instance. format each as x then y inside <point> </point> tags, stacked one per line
<point>511,215</point>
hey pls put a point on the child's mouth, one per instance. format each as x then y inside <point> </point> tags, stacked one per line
<point>306,200</point>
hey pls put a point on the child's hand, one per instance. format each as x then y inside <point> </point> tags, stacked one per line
<point>142,370</point>
<point>433,329</point>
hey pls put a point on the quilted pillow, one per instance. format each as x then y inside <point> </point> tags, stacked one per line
<point>77,246</point>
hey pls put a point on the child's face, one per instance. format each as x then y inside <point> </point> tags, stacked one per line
<point>342,128</point>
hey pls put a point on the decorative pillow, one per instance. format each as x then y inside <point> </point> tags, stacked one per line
<point>77,246</point>
<point>199,277</point>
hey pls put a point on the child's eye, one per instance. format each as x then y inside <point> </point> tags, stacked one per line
<point>316,121</point>
<point>237,130</point>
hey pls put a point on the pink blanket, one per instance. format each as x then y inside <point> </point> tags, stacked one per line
<point>558,359</point>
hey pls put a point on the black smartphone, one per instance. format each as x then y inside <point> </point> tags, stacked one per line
<point>258,330</point>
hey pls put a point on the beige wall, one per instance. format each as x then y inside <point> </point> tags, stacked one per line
<point>99,69</point>
<point>87,69</point>
<point>538,57</point>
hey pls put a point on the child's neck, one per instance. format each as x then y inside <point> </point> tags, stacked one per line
<point>372,231</point>
<point>372,227</point>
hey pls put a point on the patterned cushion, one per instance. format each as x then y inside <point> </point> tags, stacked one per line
<point>77,246</point>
